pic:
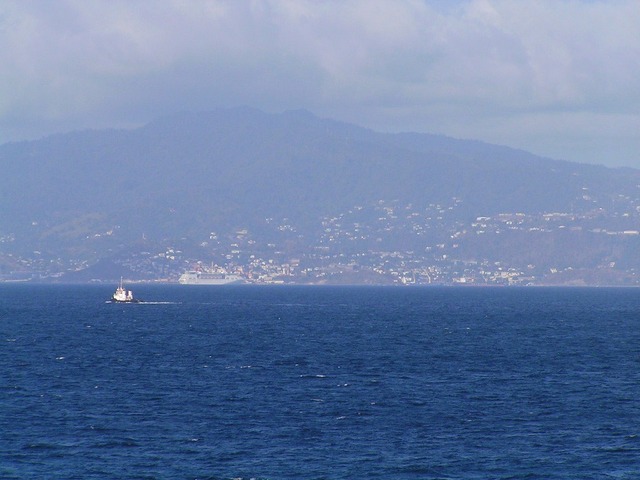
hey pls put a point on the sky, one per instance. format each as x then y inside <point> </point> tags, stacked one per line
<point>559,78</point>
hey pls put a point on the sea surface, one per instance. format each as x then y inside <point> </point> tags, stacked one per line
<point>319,383</point>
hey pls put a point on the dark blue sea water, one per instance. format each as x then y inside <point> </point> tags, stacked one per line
<point>319,383</point>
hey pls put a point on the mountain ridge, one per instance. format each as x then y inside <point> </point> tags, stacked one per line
<point>183,176</point>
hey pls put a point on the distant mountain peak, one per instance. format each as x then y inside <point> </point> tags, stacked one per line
<point>189,179</point>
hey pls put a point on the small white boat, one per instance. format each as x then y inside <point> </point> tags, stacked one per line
<point>123,295</point>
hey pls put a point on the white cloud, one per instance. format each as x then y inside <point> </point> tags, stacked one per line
<point>511,71</point>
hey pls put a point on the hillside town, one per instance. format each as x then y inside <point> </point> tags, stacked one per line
<point>385,243</point>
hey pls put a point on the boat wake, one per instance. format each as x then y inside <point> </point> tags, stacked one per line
<point>142,302</point>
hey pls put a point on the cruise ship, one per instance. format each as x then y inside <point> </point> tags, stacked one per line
<point>194,277</point>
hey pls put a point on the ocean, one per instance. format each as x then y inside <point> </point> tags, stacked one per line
<point>248,382</point>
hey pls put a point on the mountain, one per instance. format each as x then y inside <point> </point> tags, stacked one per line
<point>188,183</point>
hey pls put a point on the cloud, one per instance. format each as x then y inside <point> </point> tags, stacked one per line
<point>514,72</point>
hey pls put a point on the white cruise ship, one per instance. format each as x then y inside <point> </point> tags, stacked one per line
<point>194,277</point>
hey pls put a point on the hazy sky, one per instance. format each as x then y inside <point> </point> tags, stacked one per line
<point>559,78</point>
